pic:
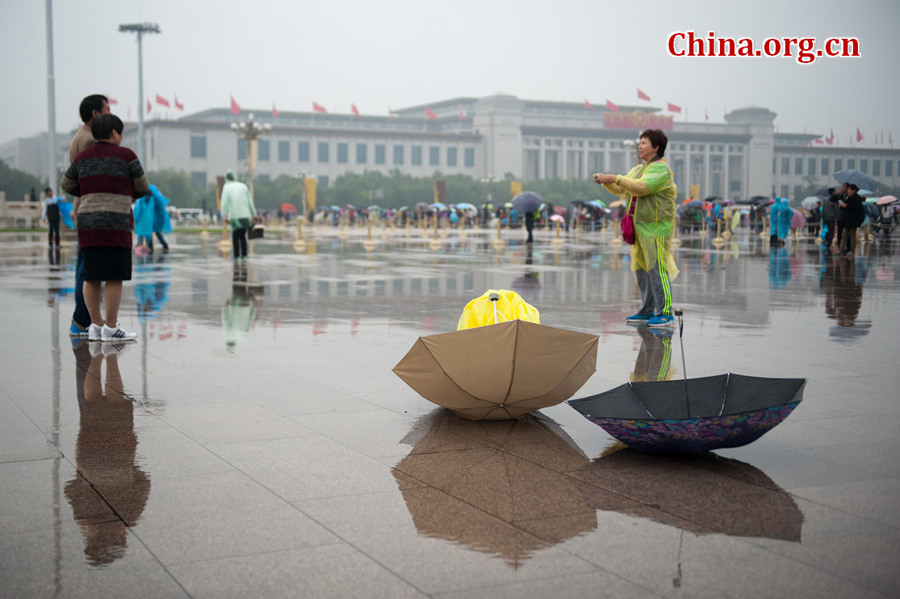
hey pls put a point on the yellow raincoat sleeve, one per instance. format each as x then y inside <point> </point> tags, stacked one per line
<point>654,179</point>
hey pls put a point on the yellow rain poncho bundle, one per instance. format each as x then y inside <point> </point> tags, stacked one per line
<point>653,186</point>
<point>480,311</point>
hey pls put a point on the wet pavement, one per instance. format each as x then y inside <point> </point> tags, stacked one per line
<point>254,441</point>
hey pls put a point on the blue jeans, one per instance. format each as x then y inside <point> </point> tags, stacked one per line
<point>81,315</point>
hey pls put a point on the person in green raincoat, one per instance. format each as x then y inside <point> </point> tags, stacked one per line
<point>650,184</point>
<point>238,210</point>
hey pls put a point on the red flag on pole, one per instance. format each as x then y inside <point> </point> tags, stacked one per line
<point>319,108</point>
<point>462,115</point>
<point>149,106</point>
<point>430,114</point>
<point>235,109</point>
<point>354,109</point>
<point>859,135</point>
<point>275,112</point>
<point>706,113</point>
<point>830,139</point>
<point>611,106</point>
<point>642,95</point>
<point>162,101</point>
<point>179,105</point>
<point>673,108</point>
<point>390,112</point>
<point>588,105</point>
<point>112,101</point>
<point>819,140</point>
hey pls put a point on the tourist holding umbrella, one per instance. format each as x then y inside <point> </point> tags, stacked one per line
<point>854,215</point>
<point>650,184</point>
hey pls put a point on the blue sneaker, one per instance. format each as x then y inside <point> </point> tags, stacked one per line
<point>638,319</point>
<point>663,320</point>
<point>76,330</point>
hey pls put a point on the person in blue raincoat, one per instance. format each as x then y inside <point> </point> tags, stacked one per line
<point>780,216</point>
<point>151,217</point>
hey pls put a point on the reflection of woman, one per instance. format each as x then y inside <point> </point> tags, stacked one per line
<point>653,358</point>
<point>108,478</point>
<point>652,186</point>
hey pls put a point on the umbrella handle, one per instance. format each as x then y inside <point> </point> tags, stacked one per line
<point>494,297</point>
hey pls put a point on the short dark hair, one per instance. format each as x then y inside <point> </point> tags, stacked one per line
<point>90,104</point>
<point>50,189</point>
<point>853,186</point>
<point>104,125</point>
<point>658,140</point>
<point>831,190</point>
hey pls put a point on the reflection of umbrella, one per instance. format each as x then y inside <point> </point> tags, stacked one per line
<point>858,178</point>
<point>287,207</point>
<point>499,371</point>
<point>810,203</point>
<point>705,494</point>
<point>490,488</point>
<point>884,200</point>
<point>693,415</point>
<point>527,201</point>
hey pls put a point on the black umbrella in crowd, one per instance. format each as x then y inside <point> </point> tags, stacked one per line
<point>527,201</point>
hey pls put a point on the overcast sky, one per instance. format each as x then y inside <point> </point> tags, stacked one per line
<point>397,53</point>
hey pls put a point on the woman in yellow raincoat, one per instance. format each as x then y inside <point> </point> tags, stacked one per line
<point>650,184</point>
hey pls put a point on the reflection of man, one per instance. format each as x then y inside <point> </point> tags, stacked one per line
<point>108,478</point>
<point>654,355</point>
<point>239,312</point>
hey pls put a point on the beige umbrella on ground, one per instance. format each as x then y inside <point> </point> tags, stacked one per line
<point>500,371</point>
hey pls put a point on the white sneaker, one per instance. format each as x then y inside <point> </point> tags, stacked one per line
<point>116,334</point>
<point>94,332</point>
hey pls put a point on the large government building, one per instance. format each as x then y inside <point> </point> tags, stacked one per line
<point>491,137</point>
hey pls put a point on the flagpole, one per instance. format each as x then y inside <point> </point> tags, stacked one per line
<point>51,102</point>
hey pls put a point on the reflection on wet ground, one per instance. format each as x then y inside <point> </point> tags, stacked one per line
<point>286,458</point>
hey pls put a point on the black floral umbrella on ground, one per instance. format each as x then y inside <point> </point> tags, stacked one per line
<point>693,415</point>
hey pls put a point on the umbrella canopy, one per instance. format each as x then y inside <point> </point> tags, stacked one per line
<point>797,219</point>
<point>747,502</point>
<point>810,202</point>
<point>503,479</point>
<point>496,305</point>
<point>693,415</point>
<point>527,201</point>
<point>557,218</point>
<point>467,207</point>
<point>501,371</point>
<point>437,206</point>
<point>884,200</point>
<point>858,178</point>
<point>287,207</point>
<point>694,204</point>
<point>579,202</point>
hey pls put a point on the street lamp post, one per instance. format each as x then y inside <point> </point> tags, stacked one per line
<point>140,29</point>
<point>250,132</point>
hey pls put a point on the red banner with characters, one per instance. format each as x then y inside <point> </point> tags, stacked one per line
<point>636,120</point>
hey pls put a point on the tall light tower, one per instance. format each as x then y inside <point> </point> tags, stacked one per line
<point>140,29</point>
<point>51,102</point>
